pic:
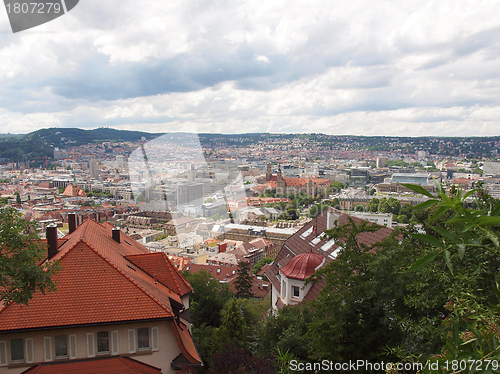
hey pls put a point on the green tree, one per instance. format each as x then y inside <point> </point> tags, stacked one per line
<point>401,218</point>
<point>373,205</point>
<point>260,264</point>
<point>208,298</point>
<point>22,251</point>
<point>337,186</point>
<point>394,205</point>
<point>141,199</point>
<point>355,315</point>
<point>285,332</point>
<point>333,203</point>
<point>243,283</point>
<point>383,206</point>
<point>291,214</point>
<point>233,322</point>
<point>407,210</point>
<point>18,197</point>
<point>467,241</point>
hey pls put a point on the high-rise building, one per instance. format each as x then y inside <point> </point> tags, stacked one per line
<point>120,161</point>
<point>94,169</point>
<point>381,162</point>
<point>189,193</point>
<point>491,168</point>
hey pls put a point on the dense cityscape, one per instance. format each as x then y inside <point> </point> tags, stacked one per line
<point>249,187</point>
<point>246,219</point>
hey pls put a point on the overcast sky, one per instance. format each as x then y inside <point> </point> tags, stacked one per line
<point>384,67</point>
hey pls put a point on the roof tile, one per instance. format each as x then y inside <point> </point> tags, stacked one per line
<point>91,260</point>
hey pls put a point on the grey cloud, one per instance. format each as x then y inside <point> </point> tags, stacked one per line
<point>97,80</point>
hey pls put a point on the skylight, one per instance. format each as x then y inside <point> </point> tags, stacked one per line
<point>325,247</point>
<point>335,253</point>
<point>306,233</point>
<point>315,241</point>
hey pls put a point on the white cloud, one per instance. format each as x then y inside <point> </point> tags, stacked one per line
<point>395,68</point>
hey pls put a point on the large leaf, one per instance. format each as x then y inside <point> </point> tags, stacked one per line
<point>447,234</point>
<point>426,204</point>
<point>441,210</point>
<point>470,193</point>
<point>418,189</point>
<point>447,258</point>
<point>496,210</point>
<point>488,221</point>
<point>419,264</point>
<point>461,250</point>
<point>492,236</point>
<point>429,239</point>
<point>496,289</point>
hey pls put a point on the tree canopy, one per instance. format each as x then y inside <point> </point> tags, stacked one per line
<point>21,255</point>
<point>208,298</point>
<point>243,283</point>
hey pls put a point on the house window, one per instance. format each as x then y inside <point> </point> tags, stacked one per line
<point>3,353</point>
<point>296,291</point>
<point>103,342</point>
<point>17,350</point>
<point>143,338</point>
<point>61,345</point>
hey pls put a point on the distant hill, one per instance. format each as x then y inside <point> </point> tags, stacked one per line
<point>41,143</point>
<point>63,137</point>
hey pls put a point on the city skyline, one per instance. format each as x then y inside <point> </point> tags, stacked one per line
<point>392,69</point>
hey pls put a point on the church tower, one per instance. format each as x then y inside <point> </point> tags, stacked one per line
<point>268,172</point>
<point>280,181</point>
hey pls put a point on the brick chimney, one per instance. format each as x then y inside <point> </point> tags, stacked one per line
<point>115,234</point>
<point>72,222</point>
<point>51,235</point>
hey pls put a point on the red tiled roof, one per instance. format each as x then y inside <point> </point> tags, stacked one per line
<point>301,182</point>
<point>219,272</point>
<point>104,365</point>
<point>314,290</point>
<point>161,268</point>
<point>180,262</point>
<point>259,288</point>
<point>302,266</point>
<point>96,273</point>
<point>263,270</point>
<point>261,243</point>
<point>73,191</point>
<point>300,243</point>
<point>185,342</point>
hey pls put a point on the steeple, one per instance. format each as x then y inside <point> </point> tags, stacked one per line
<point>280,181</point>
<point>268,172</point>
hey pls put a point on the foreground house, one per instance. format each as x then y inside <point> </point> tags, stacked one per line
<point>305,252</point>
<point>118,309</point>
